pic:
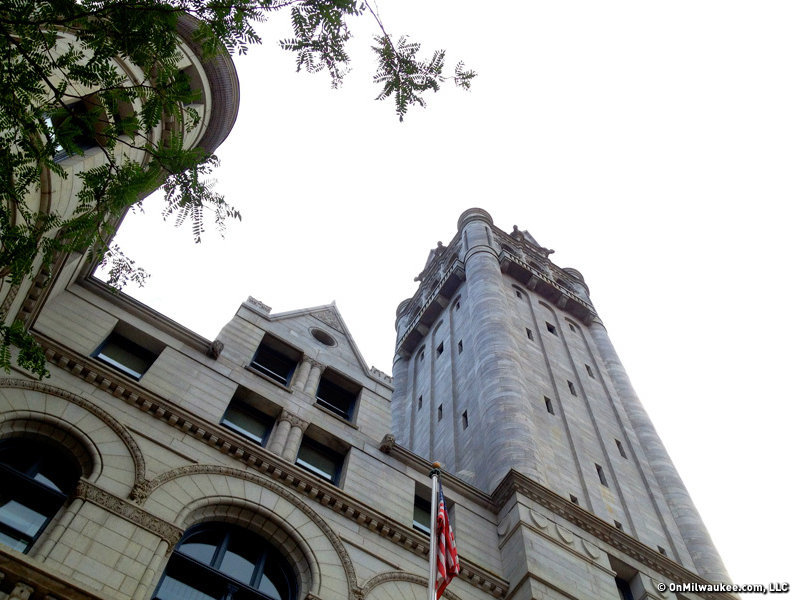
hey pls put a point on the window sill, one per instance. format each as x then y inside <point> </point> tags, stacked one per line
<point>267,378</point>
<point>327,411</point>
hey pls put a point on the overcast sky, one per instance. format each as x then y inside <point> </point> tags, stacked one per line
<point>654,146</point>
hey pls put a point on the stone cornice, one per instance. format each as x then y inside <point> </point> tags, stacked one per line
<point>19,569</point>
<point>514,482</point>
<point>260,459</point>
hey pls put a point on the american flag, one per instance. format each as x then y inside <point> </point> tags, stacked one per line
<point>447,565</point>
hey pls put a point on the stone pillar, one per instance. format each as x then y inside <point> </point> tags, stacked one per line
<point>277,441</point>
<point>298,427</point>
<point>509,440</point>
<point>401,409</point>
<point>696,537</point>
<point>58,528</point>
<point>313,377</point>
<point>151,570</point>
<point>301,376</point>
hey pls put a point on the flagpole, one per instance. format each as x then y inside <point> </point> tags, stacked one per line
<point>434,474</point>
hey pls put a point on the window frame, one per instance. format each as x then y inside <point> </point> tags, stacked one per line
<point>247,410</point>
<point>327,452</point>
<point>124,343</point>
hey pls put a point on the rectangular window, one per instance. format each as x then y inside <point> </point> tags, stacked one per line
<point>601,473</point>
<point>572,389</point>
<point>548,404</point>
<point>529,333</point>
<point>551,328</point>
<point>276,360</point>
<point>337,394</point>
<point>440,349</point>
<point>460,346</point>
<point>421,514</point>
<point>320,460</point>
<point>125,356</point>
<point>440,411</point>
<point>589,371</point>
<point>465,419</point>
<point>247,421</point>
<point>419,403</point>
<point>621,449</point>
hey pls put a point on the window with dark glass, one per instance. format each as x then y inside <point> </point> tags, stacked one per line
<point>275,360</point>
<point>421,514</point>
<point>75,128</point>
<point>320,460</point>
<point>125,356</point>
<point>247,421</point>
<point>35,480</point>
<point>226,562</point>
<point>337,394</point>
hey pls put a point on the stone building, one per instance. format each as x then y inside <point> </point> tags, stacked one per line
<point>273,462</point>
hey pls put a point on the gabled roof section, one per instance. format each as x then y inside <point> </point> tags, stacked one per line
<point>327,314</point>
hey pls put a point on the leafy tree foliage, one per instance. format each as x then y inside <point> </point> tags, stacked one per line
<point>61,90</point>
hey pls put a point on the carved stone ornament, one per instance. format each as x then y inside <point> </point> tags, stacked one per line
<point>401,576</point>
<point>166,531</point>
<point>329,318</point>
<point>259,305</point>
<point>387,443</point>
<point>294,420</point>
<point>539,520</point>
<point>215,349</point>
<point>564,534</point>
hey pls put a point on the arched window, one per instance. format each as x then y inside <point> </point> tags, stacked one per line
<point>220,561</point>
<point>35,480</point>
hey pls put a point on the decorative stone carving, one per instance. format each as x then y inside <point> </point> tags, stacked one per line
<point>590,549</point>
<point>166,531</point>
<point>387,443</point>
<point>329,318</point>
<point>215,349</point>
<point>401,576</point>
<point>259,305</point>
<point>564,534</point>
<point>540,520</point>
<point>294,420</point>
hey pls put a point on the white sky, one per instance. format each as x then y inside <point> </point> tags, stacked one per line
<point>654,146</point>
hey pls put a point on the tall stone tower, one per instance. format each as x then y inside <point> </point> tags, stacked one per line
<point>503,366</point>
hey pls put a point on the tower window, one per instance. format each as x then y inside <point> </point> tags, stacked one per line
<point>221,560</point>
<point>419,403</point>
<point>518,294</point>
<point>460,346</point>
<point>662,550</point>
<point>589,371</point>
<point>572,327</point>
<point>421,355</point>
<point>36,479</point>
<point>529,333</point>
<point>601,473</point>
<point>548,404</point>
<point>618,525</point>
<point>276,360</point>
<point>440,412</point>
<point>440,349</point>
<point>572,389</point>
<point>573,498</point>
<point>458,305</point>
<point>620,446</point>
<point>551,328</point>
<point>465,419</point>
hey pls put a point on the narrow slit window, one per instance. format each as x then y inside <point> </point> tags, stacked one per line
<point>419,403</point>
<point>573,498</point>
<point>572,327</point>
<point>589,371</point>
<point>465,419</point>
<point>548,404</point>
<point>440,349</point>
<point>662,550</point>
<point>601,473</point>
<point>620,446</point>
<point>440,411</point>
<point>618,525</point>
<point>458,305</point>
<point>551,328</point>
<point>518,294</point>
<point>529,333</point>
<point>460,346</point>
<point>572,389</point>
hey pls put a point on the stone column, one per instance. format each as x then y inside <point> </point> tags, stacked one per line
<point>693,531</point>
<point>301,376</point>
<point>58,529</point>
<point>151,570</point>
<point>298,427</point>
<point>401,409</point>
<point>313,377</point>
<point>508,437</point>
<point>277,441</point>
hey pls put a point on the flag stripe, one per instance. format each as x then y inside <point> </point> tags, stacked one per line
<point>447,565</point>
